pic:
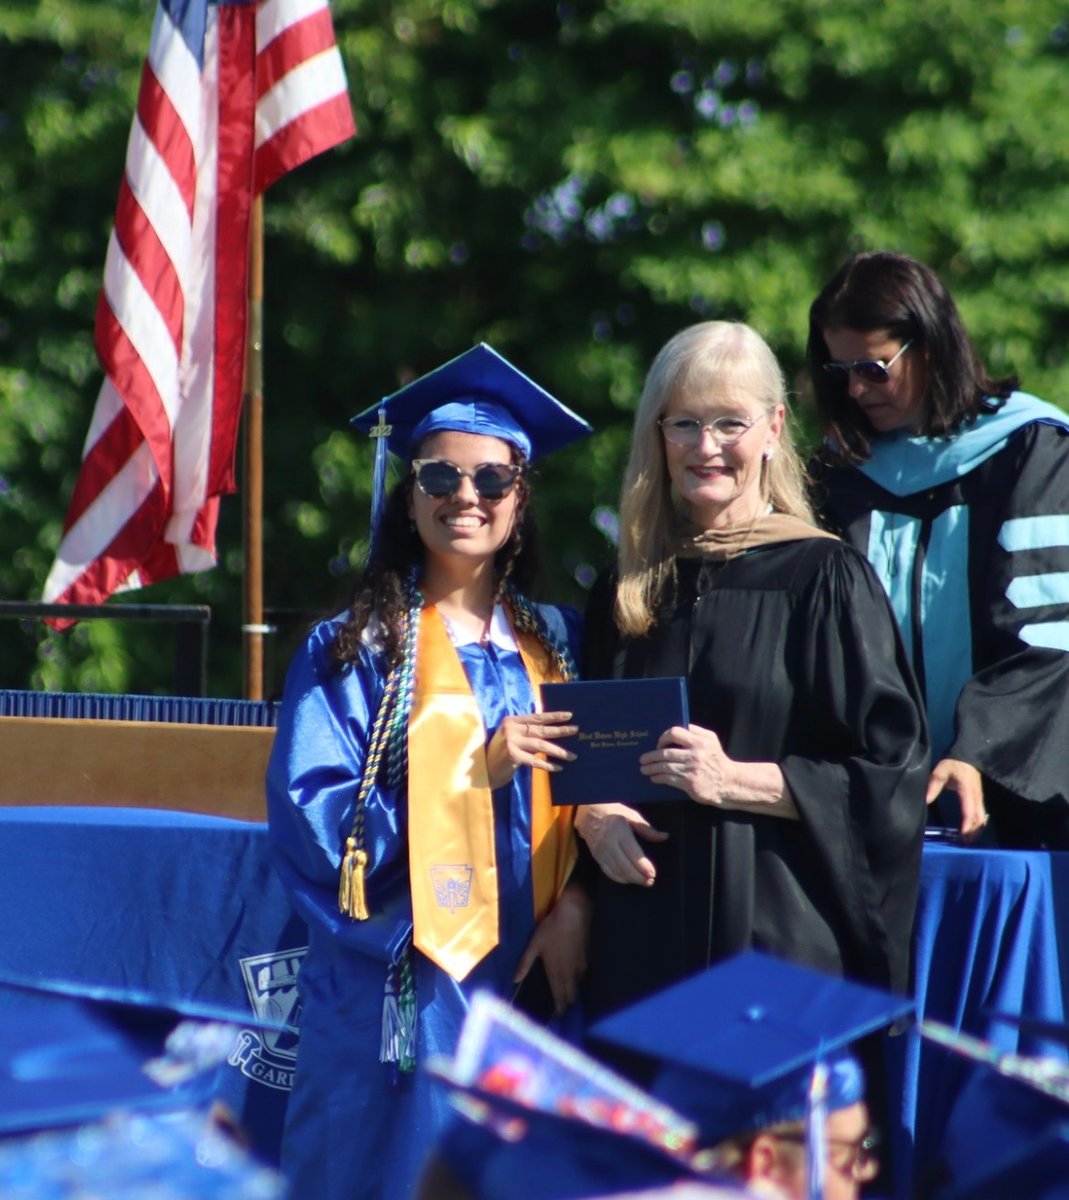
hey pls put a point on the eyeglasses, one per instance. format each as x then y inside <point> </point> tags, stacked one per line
<point>439,478</point>
<point>687,431</point>
<point>872,370</point>
<point>863,1153</point>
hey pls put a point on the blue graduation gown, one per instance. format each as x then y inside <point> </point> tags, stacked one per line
<point>356,1127</point>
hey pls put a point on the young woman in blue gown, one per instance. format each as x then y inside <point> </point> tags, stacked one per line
<point>407,790</point>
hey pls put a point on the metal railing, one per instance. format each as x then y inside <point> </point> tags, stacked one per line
<point>190,622</point>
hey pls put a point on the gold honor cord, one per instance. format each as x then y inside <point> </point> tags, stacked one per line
<point>452,856</point>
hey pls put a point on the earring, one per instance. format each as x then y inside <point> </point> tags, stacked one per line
<point>412,527</point>
<point>768,454</point>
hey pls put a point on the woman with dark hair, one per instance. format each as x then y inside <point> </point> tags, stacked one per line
<point>955,485</point>
<point>408,801</point>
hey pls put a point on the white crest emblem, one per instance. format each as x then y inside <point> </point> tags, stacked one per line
<point>269,1056</point>
<point>452,884</point>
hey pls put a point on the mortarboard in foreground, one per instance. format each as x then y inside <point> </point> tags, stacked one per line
<point>1007,1134</point>
<point>1033,1167</point>
<point>737,1044</point>
<point>70,1054</point>
<point>501,1150</point>
<point>541,1120</point>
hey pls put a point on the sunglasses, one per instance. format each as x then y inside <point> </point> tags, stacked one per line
<point>872,370</point>
<point>440,478</point>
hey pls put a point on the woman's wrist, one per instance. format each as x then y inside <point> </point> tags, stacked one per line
<point>758,787</point>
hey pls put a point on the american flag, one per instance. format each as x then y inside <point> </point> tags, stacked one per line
<point>233,95</point>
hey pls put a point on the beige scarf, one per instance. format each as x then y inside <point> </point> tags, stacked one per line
<point>764,530</point>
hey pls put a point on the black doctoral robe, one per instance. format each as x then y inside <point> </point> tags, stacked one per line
<point>970,537</point>
<point>791,656</point>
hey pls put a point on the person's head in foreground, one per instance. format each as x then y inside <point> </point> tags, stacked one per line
<point>772,1159</point>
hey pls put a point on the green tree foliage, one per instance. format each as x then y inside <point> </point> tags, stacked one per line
<point>571,184</point>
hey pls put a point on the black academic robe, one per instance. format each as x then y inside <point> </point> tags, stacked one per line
<point>791,656</point>
<point>977,566</point>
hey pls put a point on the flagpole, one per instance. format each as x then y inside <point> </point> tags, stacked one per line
<point>253,628</point>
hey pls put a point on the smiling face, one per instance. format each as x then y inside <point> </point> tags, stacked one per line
<point>464,528</point>
<point>722,485</point>
<point>899,402</point>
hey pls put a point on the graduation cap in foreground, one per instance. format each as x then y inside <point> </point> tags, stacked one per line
<point>738,1044</point>
<point>1036,1167</point>
<point>502,1150</point>
<point>70,1054</point>
<point>538,1119</point>
<point>1008,1130</point>
<point>477,392</point>
<point>133,1155</point>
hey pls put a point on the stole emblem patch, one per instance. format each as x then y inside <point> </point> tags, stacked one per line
<point>452,884</point>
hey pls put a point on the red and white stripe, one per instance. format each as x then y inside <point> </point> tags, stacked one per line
<point>171,319</point>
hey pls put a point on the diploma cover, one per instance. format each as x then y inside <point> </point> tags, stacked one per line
<point>618,719</point>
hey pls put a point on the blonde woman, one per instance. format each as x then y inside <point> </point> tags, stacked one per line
<point>801,776</point>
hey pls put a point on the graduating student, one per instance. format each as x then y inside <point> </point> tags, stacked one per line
<point>407,792</point>
<point>801,777</point>
<point>955,485</point>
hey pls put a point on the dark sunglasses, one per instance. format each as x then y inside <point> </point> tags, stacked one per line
<point>439,478</point>
<point>872,370</point>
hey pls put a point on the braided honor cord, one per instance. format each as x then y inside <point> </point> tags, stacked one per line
<point>386,755</point>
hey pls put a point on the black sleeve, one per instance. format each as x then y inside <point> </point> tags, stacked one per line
<point>601,638</point>
<point>1012,716</point>
<point>862,800</point>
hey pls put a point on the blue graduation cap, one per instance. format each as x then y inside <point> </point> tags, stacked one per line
<point>1035,1166</point>
<point>131,1155</point>
<point>757,1041</point>
<point>70,1055</point>
<point>477,392</point>
<point>1007,1133</point>
<point>501,1150</point>
<point>738,1043</point>
<point>539,1119</point>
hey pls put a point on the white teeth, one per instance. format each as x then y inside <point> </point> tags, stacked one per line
<point>462,522</point>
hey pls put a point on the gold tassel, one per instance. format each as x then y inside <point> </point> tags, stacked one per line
<point>352,899</point>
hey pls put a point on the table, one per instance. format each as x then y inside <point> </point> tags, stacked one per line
<point>991,935</point>
<point>179,905</point>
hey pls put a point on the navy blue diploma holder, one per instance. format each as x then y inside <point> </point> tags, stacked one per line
<point>619,720</point>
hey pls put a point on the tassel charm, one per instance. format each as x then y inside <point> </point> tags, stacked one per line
<point>352,898</point>
<point>398,1041</point>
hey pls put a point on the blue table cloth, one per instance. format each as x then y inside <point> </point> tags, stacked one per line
<point>164,904</point>
<point>990,936</point>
